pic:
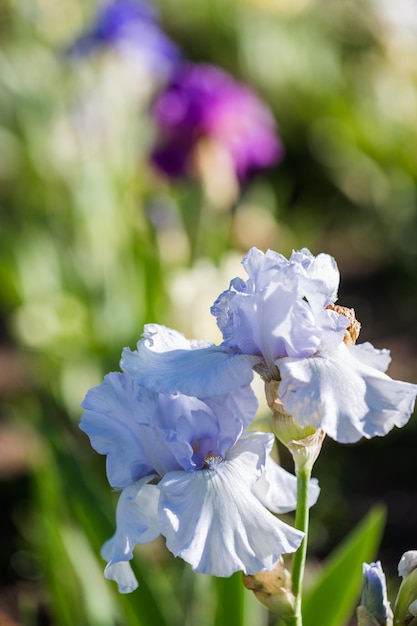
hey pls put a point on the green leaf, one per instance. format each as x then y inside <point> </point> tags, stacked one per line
<point>332,599</point>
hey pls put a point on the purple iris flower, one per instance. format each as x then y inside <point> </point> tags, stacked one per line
<point>131,27</point>
<point>205,102</point>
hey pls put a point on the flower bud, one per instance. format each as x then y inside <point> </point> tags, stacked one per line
<point>407,563</point>
<point>406,604</point>
<point>304,442</point>
<point>375,609</point>
<point>273,589</point>
<point>366,619</point>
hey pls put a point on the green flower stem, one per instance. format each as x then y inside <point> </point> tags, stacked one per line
<point>299,559</point>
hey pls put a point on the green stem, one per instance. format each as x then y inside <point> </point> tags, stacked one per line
<point>299,559</point>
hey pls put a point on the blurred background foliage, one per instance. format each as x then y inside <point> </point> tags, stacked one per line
<point>94,243</point>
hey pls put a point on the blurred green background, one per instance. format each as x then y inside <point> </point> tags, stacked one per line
<point>93,244</point>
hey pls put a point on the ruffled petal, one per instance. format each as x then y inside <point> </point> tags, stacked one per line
<point>367,354</point>
<point>277,489</point>
<point>110,420</point>
<point>319,276</point>
<point>137,522</point>
<point>261,268</point>
<point>143,432</point>
<point>211,519</point>
<point>163,339</point>
<point>257,323</point>
<point>122,573</point>
<point>345,395</point>
<point>162,365</point>
<point>280,310</point>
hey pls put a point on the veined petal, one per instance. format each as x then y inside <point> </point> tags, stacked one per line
<point>211,519</point>
<point>201,372</point>
<point>277,489</point>
<point>137,522</point>
<point>345,395</point>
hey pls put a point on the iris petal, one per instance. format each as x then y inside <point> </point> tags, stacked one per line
<point>280,311</point>
<point>345,395</point>
<point>168,363</point>
<point>211,519</point>
<point>277,489</point>
<point>320,275</point>
<point>110,420</point>
<point>137,522</point>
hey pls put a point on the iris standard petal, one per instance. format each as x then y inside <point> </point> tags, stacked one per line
<point>110,420</point>
<point>319,275</point>
<point>257,323</point>
<point>137,522</point>
<point>252,314</point>
<point>280,310</point>
<point>239,404</point>
<point>211,519</point>
<point>261,268</point>
<point>277,489</point>
<point>343,395</point>
<point>200,372</point>
<point>143,432</point>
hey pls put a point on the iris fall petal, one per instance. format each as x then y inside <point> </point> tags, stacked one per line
<point>137,522</point>
<point>212,520</point>
<point>343,394</point>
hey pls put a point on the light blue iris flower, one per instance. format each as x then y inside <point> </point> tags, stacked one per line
<point>281,313</point>
<point>279,322</point>
<point>190,471</point>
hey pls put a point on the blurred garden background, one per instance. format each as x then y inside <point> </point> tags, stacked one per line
<point>96,240</point>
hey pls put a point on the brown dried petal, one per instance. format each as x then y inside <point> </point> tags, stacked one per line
<point>352,331</point>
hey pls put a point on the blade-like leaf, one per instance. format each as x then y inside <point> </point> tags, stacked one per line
<point>332,599</point>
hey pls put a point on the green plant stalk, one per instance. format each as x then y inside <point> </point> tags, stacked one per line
<point>299,559</point>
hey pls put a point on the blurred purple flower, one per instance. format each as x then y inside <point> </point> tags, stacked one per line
<point>204,102</point>
<point>131,27</point>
